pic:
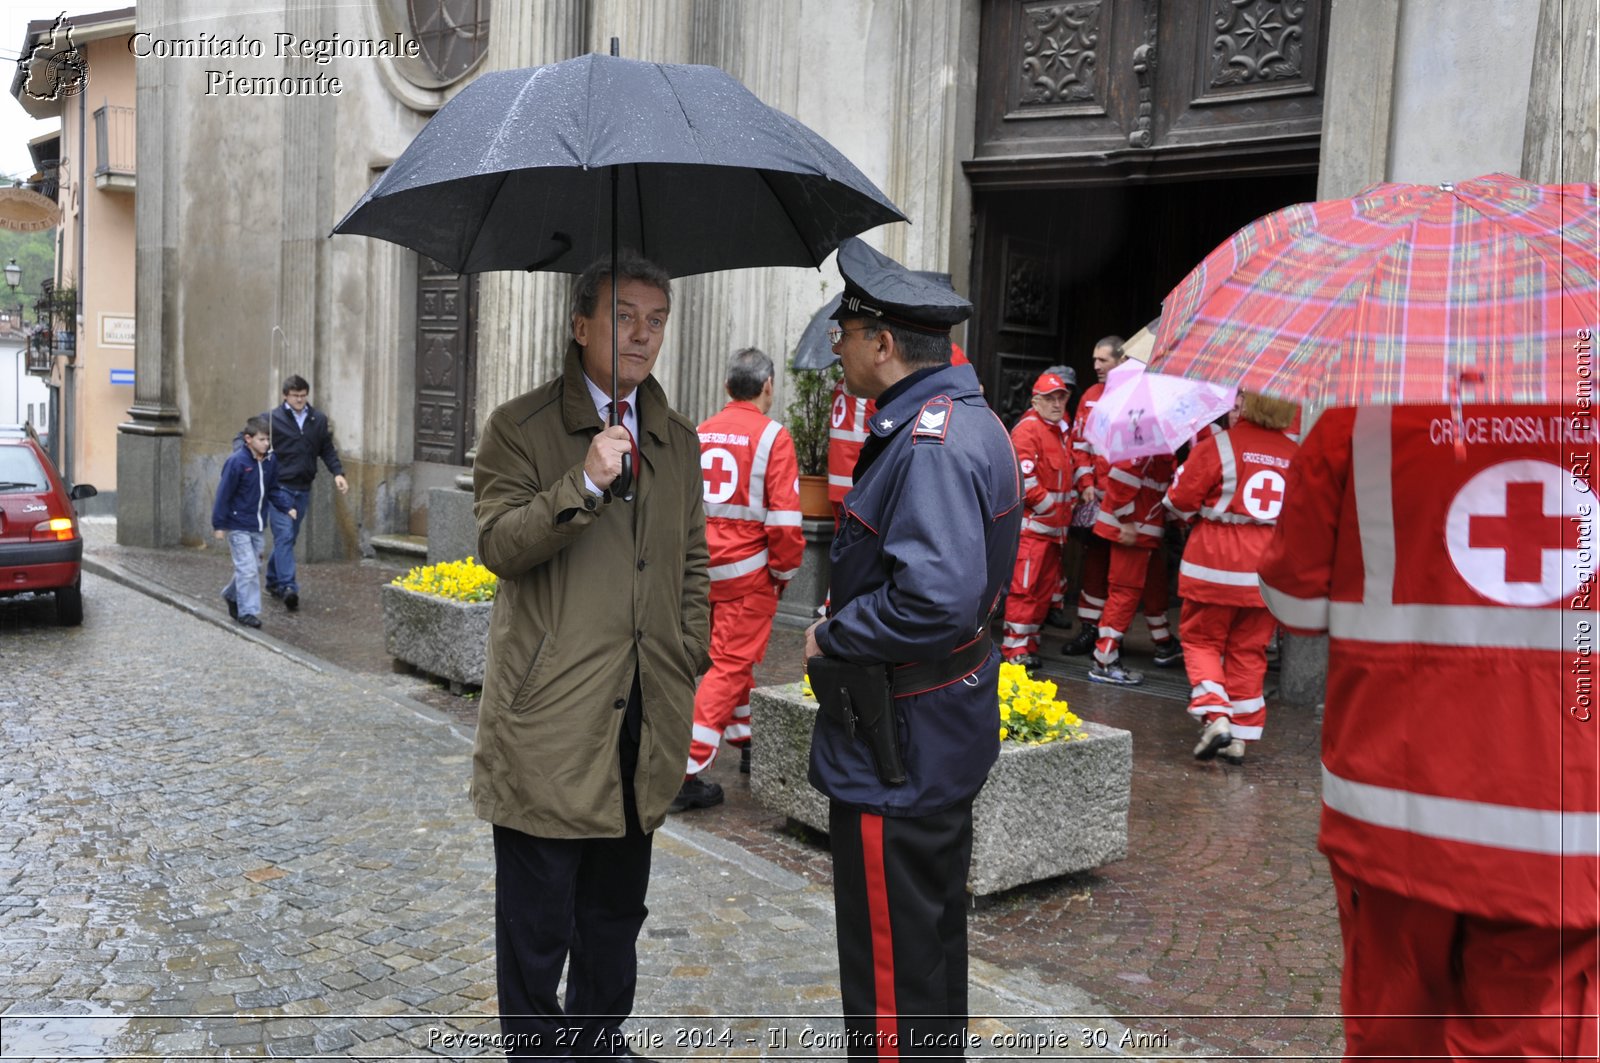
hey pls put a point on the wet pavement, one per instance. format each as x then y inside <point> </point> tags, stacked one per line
<point>217,841</point>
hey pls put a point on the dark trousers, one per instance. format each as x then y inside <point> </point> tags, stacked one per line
<point>581,898</point>
<point>900,898</point>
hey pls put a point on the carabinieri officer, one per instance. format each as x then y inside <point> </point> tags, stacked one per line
<point>925,546</point>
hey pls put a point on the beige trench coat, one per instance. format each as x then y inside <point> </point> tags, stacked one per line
<point>590,591</point>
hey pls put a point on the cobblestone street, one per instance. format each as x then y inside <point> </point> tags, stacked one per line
<point>251,844</point>
<point>211,849</point>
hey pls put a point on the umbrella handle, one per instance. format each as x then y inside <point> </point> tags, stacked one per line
<point>623,485</point>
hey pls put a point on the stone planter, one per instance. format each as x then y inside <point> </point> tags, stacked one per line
<point>1045,811</point>
<point>436,635</point>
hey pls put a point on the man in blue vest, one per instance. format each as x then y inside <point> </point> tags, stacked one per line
<point>926,543</point>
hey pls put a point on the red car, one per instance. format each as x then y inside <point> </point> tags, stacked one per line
<point>41,548</point>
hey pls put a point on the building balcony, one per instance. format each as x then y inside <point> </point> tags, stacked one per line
<point>114,146</point>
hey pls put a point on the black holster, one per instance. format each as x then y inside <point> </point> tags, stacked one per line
<point>860,698</point>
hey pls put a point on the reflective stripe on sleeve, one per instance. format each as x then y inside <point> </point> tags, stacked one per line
<point>1523,830</point>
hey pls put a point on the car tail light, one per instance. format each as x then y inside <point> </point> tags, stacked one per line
<point>53,530</point>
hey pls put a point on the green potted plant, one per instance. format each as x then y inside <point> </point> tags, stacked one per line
<point>808,418</point>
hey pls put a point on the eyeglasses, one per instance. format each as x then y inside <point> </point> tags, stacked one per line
<point>836,333</point>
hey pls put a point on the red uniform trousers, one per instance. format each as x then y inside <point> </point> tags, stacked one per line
<point>1037,575</point>
<point>740,628</point>
<point>1136,573</point>
<point>1438,970</point>
<point>1225,653</point>
<point>1092,591</point>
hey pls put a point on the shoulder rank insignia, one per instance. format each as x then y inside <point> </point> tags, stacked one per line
<point>933,421</point>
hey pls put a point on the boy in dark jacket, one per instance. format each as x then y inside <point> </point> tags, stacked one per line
<point>249,484</point>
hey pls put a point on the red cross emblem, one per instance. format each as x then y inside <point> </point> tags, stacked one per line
<point>720,473</point>
<point>1524,533</point>
<point>1263,494</point>
<point>1514,529</point>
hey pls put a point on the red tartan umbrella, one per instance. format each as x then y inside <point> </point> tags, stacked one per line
<point>1405,294</point>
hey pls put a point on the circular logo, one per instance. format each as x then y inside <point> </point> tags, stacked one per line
<point>841,410</point>
<point>1263,495</point>
<point>720,473</point>
<point>1521,533</point>
<point>1027,466</point>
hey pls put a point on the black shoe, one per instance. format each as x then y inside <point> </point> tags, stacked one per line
<point>744,760</point>
<point>1168,653</point>
<point>1059,618</point>
<point>696,793</point>
<point>250,620</point>
<point>233,608</point>
<point>1082,642</point>
<point>291,601</point>
<point>1029,661</point>
<point>276,592</point>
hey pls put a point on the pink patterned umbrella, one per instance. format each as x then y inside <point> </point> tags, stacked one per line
<point>1405,294</point>
<point>1142,413</point>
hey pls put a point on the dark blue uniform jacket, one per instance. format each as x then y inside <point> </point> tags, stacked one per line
<point>926,544</point>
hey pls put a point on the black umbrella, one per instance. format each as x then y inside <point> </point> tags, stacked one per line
<point>550,168</point>
<point>515,173</point>
<point>814,351</point>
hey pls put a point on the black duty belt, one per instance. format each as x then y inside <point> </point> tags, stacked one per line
<point>907,679</point>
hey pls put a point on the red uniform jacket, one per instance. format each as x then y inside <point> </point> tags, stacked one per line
<point>1459,745</point>
<point>1083,453</point>
<point>846,432</point>
<point>752,497</point>
<point>1046,460</point>
<point>1134,490</point>
<point>1233,481</point>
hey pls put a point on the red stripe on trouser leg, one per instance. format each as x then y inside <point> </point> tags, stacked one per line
<point>1246,665</point>
<point>1037,572</point>
<point>740,628</point>
<point>1204,628</point>
<point>882,935</point>
<point>1096,567</point>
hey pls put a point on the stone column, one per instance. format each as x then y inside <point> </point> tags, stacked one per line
<point>149,444</point>
<point>1358,96</point>
<point>1564,98</point>
<point>522,317</point>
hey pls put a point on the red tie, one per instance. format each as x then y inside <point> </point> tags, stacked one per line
<point>622,419</point>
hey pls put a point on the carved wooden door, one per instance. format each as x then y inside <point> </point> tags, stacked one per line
<point>1149,86</point>
<point>1117,142</point>
<point>446,364</point>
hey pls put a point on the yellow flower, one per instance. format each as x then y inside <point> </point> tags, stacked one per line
<point>464,581</point>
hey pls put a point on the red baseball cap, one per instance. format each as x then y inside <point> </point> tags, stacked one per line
<point>1047,383</point>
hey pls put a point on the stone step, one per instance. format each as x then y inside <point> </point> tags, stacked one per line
<point>400,549</point>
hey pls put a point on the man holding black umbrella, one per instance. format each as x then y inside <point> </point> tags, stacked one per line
<point>903,667</point>
<point>599,628</point>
